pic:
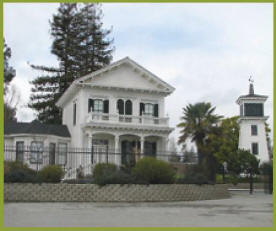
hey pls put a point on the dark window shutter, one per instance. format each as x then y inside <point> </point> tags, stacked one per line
<point>120,106</point>
<point>142,108</point>
<point>155,110</point>
<point>74,113</point>
<point>90,104</point>
<point>106,106</point>
<point>128,107</point>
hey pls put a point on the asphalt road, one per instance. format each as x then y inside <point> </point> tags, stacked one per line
<point>241,210</point>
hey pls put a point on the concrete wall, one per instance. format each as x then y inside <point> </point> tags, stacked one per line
<point>129,193</point>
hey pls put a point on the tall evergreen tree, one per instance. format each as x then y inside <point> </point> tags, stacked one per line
<point>9,74</point>
<point>73,33</point>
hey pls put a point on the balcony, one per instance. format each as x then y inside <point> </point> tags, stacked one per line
<point>127,119</point>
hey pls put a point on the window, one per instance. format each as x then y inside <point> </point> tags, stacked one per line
<point>98,105</point>
<point>128,106</point>
<point>253,109</point>
<point>254,130</point>
<point>120,107</point>
<point>62,153</point>
<point>148,109</point>
<point>19,151</point>
<point>52,153</point>
<point>74,113</point>
<point>36,156</point>
<point>255,148</point>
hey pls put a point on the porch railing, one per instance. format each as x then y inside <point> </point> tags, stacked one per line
<point>127,119</point>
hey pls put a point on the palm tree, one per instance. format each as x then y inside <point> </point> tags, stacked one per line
<point>198,121</point>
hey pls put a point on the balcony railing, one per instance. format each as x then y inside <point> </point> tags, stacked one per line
<point>126,119</point>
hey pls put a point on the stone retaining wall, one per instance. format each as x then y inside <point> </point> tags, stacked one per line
<point>27,192</point>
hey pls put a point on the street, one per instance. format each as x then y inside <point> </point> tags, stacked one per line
<point>241,210</point>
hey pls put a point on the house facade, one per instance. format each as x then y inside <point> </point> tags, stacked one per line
<point>115,115</point>
<point>117,111</point>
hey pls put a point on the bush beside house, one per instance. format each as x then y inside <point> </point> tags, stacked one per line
<point>15,171</point>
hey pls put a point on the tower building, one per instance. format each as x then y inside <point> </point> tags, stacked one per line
<point>252,135</point>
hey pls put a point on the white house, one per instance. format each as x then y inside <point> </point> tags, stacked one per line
<point>111,114</point>
<point>117,109</point>
<point>252,135</point>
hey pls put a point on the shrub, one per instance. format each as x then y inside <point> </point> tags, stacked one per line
<point>117,177</point>
<point>51,173</point>
<point>15,171</point>
<point>193,175</point>
<point>103,168</point>
<point>153,171</point>
<point>109,174</point>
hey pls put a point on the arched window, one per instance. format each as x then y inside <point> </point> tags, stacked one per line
<point>128,107</point>
<point>120,106</point>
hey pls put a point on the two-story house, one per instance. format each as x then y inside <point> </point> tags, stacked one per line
<point>111,115</point>
<point>115,110</point>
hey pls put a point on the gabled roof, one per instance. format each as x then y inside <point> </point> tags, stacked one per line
<point>168,89</point>
<point>35,127</point>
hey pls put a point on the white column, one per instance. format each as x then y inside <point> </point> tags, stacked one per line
<point>89,153</point>
<point>166,157</point>
<point>117,153</point>
<point>142,145</point>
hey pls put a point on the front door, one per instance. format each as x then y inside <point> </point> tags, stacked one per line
<point>128,152</point>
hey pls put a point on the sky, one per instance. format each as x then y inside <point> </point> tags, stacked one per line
<point>207,51</point>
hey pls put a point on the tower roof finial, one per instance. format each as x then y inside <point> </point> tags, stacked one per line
<point>251,86</point>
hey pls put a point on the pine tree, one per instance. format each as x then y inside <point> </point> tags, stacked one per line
<point>95,48</point>
<point>80,46</point>
<point>9,74</point>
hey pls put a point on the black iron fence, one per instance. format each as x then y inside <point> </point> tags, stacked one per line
<point>83,159</point>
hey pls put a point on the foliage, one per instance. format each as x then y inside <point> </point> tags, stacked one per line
<point>153,171</point>
<point>198,120</point>
<point>51,173</point>
<point>80,45</point>
<point>15,171</point>
<point>104,173</point>
<point>9,72</point>
<point>193,175</point>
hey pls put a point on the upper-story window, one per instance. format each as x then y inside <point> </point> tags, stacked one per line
<point>253,109</point>
<point>98,105</point>
<point>254,130</point>
<point>124,107</point>
<point>149,109</point>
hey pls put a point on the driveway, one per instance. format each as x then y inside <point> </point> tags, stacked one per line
<point>241,210</point>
